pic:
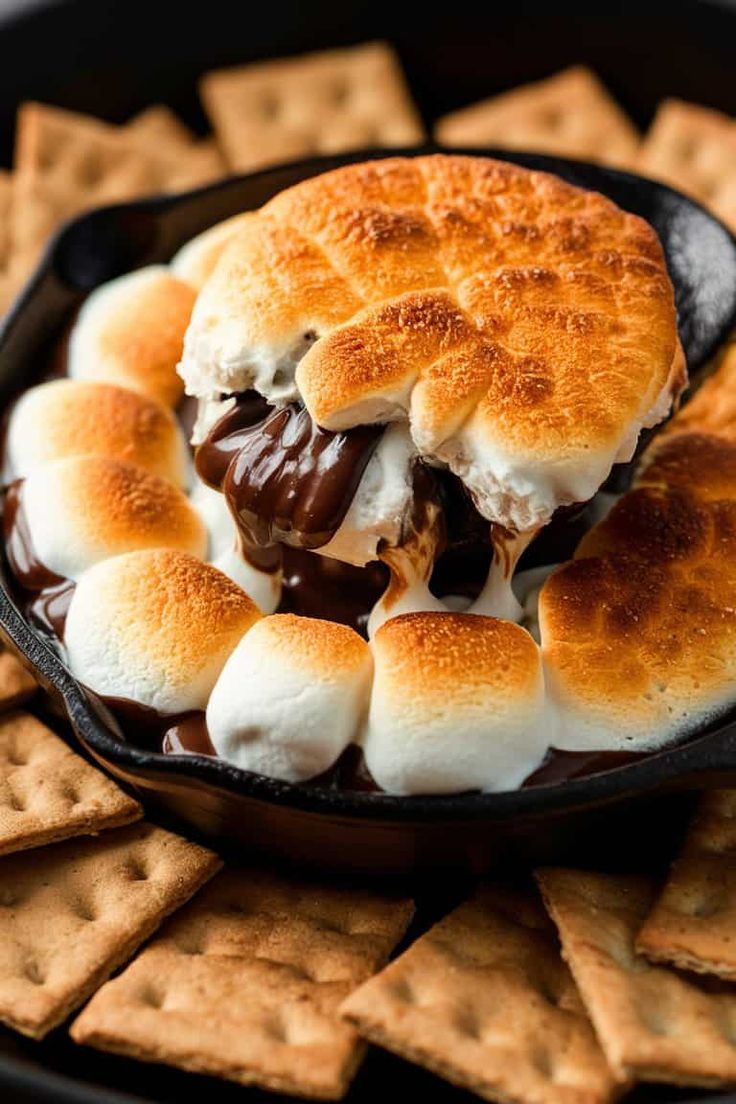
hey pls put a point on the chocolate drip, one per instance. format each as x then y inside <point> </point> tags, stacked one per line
<point>292,483</point>
<point>49,607</point>
<point>318,586</point>
<point>562,766</point>
<point>24,563</point>
<point>286,480</point>
<point>188,736</point>
<point>225,439</point>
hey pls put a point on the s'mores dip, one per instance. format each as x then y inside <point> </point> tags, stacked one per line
<point>350,554</point>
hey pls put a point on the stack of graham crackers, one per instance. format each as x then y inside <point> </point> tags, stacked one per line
<point>328,102</point>
<point>571,994</point>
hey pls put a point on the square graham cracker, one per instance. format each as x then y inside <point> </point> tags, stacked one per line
<point>653,1023</point>
<point>17,684</point>
<point>48,792</point>
<point>318,103</point>
<point>76,911</point>
<point>570,114</point>
<point>693,922</point>
<point>66,163</point>
<point>485,1001</point>
<point>246,982</point>
<point>693,148</point>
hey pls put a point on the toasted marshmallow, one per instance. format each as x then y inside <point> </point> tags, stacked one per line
<point>524,329</point>
<point>130,332</point>
<point>84,509</point>
<point>457,704</point>
<point>155,627</point>
<point>264,587</point>
<point>291,697</point>
<point>382,503</point>
<point>77,418</point>
<point>639,631</point>
<point>195,261</point>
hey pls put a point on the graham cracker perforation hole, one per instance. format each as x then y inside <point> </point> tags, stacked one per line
<point>151,996</point>
<point>403,991</point>
<point>466,1023</point>
<point>85,910</point>
<point>137,870</point>
<point>9,898</point>
<point>34,973</point>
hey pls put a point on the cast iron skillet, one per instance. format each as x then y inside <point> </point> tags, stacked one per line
<point>372,833</point>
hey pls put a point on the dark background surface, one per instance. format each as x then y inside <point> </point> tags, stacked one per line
<point>112,58</point>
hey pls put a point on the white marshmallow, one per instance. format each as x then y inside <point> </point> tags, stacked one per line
<point>290,698</point>
<point>195,261</point>
<point>457,704</point>
<point>84,509</point>
<point>155,627</point>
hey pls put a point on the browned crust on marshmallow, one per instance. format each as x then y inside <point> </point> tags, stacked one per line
<point>485,1002</point>
<point>693,921</point>
<point>570,114</point>
<point>107,421</point>
<point>653,1024</point>
<point>712,409</point>
<point>463,290</point>
<point>643,622</point>
<point>119,507</point>
<point>313,644</point>
<point>431,655</point>
<point>139,344</point>
<point>246,982</point>
<point>180,612</point>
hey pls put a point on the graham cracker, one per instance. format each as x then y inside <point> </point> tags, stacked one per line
<point>485,1001</point>
<point>693,922</point>
<point>78,910</point>
<point>570,114</point>
<point>10,282</point>
<point>48,792</point>
<point>654,1024</point>
<point>17,684</point>
<point>246,982</point>
<point>317,103</point>
<point>66,163</point>
<point>694,149</point>
<point>159,124</point>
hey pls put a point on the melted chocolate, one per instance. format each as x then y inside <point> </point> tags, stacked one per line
<point>188,736</point>
<point>318,586</point>
<point>49,607</point>
<point>25,565</point>
<point>286,480</point>
<point>562,766</point>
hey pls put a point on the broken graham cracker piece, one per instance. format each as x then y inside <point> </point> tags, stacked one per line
<point>48,792</point>
<point>693,149</point>
<point>66,163</point>
<point>245,984</point>
<point>693,922</point>
<point>17,684</point>
<point>79,910</point>
<point>317,103</point>
<point>653,1023</point>
<point>485,1001</point>
<point>570,114</point>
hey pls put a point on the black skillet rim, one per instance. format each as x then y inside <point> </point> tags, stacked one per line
<point>710,752</point>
